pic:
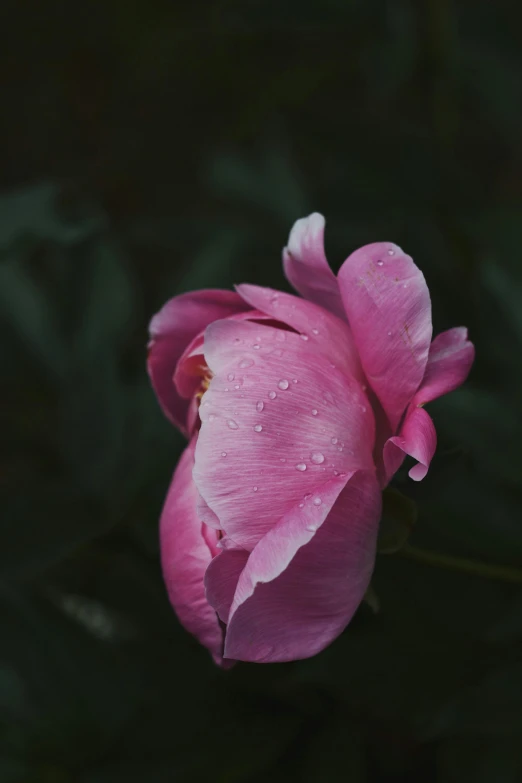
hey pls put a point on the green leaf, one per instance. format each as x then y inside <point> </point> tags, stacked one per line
<point>93,431</point>
<point>42,526</point>
<point>27,310</point>
<point>487,425</point>
<point>270,182</point>
<point>78,693</point>
<point>508,293</point>
<point>216,263</point>
<point>399,515</point>
<point>109,303</point>
<point>31,214</point>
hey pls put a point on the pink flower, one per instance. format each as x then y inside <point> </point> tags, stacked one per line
<point>299,412</point>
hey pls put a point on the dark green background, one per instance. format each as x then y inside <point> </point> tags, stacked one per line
<point>149,148</point>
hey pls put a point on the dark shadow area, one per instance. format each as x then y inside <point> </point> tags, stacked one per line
<point>153,148</point>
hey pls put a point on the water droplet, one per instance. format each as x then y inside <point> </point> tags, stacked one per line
<point>405,285</point>
<point>283,384</point>
<point>304,337</point>
<point>380,263</point>
<point>336,472</point>
<point>391,252</point>
<point>226,388</point>
<point>340,448</point>
<point>282,459</point>
<point>301,466</point>
<point>334,441</point>
<point>314,411</point>
<point>257,427</point>
<point>237,386</point>
<point>231,376</point>
<point>308,496</point>
<point>364,387</point>
<point>363,408</point>
<point>223,453</point>
<point>238,340</point>
<point>389,334</point>
<point>211,417</point>
<point>294,380</point>
<point>317,501</point>
<point>317,458</point>
<point>233,425</point>
<point>255,489</point>
<point>277,352</point>
<point>301,505</point>
<point>256,346</point>
<point>259,406</point>
<point>245,363</point>
<point>272,395</point>
<point>315,331</point>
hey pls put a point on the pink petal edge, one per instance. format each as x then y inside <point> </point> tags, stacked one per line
<point>305,579</point>
<point>306,267</point>
<point>389,310</point>
<point>186,552</point>
<point>171,330</point>
<point>449,362</point>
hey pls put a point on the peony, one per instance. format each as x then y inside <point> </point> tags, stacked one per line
<point>298,412</point>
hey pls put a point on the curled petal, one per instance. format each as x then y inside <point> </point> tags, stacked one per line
<point>449,362</point>
<point>221,579</point>
<point>388,306</point>
<point>418,439</point>
<point>305,579</point>
<point>306,267</point>
<point>179,321</point>
<point>276,422</point>
<point>187,548</point>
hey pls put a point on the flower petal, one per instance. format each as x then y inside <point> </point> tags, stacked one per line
<point>306,267</point>
<point>191,364</point>
<point>449,362</point>
<point>417,438</point>
<point>305,579</point>
<point>277,421</point>
<point>171,330</point>
<point>186,552</point>
<point>322,331</point>
<point>221,579</point>
<point>388,306</point>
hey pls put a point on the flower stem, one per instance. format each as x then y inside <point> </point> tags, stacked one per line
<point>451,563</point>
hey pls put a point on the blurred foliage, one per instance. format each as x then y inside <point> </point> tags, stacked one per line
<point>151,148</point>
